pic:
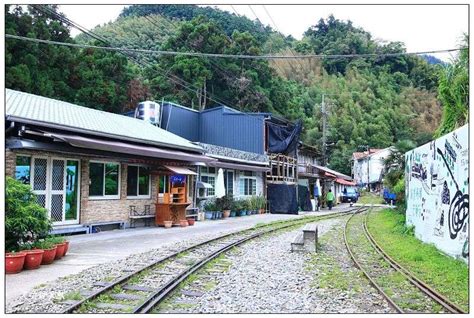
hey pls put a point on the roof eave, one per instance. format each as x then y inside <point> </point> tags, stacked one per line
<point>95,133</point>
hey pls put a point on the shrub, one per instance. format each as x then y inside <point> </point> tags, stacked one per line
<point>225,203</point>
<point>210,205</point>
<point>25,220</point>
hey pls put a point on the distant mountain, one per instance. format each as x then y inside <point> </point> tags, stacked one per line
<point>433,60</point>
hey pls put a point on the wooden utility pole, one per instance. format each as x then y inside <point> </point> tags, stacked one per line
<point>323,111</point>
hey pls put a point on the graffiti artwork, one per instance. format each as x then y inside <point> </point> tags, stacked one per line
<point>438,183</point>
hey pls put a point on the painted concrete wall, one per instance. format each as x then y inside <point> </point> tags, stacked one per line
<point>437,191</point>
<point>376,166</point>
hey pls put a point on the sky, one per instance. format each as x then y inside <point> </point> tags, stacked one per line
<point>420,27</point>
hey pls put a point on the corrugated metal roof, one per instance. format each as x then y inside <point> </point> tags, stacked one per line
<point>43,111</point>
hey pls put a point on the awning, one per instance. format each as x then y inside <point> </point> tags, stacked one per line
<point>121,147</point>
<point>204,185</point>
<point>345,182</point>
<point>181,170</point>
<point>229,165</point>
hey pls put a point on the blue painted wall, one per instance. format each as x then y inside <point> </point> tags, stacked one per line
<point>181,121</point>
<point>221,126</point>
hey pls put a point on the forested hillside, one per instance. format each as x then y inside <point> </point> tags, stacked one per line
<point>375,101</point>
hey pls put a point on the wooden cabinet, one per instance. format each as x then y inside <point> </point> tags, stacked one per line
<point>173,207</point>
<point>170,212</point>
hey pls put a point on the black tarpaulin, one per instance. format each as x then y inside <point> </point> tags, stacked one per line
<point>283,139</point>
<point>282,198</point>
<point>304,200</point>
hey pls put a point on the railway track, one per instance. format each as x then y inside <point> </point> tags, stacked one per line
<point>424,287</point>
<point>433,299</point>
<point>143,288</point>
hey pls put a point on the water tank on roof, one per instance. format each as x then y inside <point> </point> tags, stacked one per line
<point>149,111</point>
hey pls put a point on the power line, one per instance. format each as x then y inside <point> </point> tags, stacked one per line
<point>235,56</point>
<point>177,80</point>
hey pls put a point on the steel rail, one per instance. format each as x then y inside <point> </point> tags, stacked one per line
<point>123,279</point>
<point>156,298</point>
<point>424,287</point>
<point>372,282</point>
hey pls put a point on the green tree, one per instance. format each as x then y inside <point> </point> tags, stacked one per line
<point>453,92</point>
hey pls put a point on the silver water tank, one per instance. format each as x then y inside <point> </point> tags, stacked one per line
<point>148,111</point>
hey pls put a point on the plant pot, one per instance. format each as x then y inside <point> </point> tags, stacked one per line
<point>261,211</point>
<point>208,215</point>
<point>48,256</point>
<point>14,262</point>
<point>183,223</point>
<point>60,250</point>
<point>232,214</point>
<point>190,221</point>
<point>33,258</point>
<point>67,247</point>
<point>168,224</point>
<point>226,213</point>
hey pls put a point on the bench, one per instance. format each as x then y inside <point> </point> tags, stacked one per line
<point>135,215</point>
<point>96,227</point>
<point>307,240</point>
<point>192,212</point>
<point>70,229</point>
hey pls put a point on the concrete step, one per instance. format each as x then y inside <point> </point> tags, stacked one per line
<point>298,243</point>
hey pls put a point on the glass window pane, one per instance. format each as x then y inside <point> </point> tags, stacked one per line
<point>96,175</point>
<point>72,191</point>
<point>144,181</point>
<point>23,169</point>
<point>163,184</point>
<point>211,181</point>
<point>132,179</point>
<point>111,178</point>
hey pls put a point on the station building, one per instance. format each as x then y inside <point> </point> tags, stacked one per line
<point>89,167</point>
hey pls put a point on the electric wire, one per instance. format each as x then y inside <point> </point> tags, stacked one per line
<point>235,56</point>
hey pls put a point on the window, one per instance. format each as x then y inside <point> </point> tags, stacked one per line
<point>23,169</point>
<point>248,183</point>
<point>163,186</point>
<point>138,182</point>
<point>208,192</point>
<point>229,182</point>
<point>104,180</point>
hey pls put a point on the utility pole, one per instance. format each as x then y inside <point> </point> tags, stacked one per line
<point>368,168</point>
<point>323,111</point>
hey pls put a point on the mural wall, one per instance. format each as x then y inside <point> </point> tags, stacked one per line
<point>437,192</point>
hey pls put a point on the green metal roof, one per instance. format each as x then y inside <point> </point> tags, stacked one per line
<point>43,111</point>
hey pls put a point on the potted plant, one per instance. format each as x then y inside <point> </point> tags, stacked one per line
<point>168,224</point>
<point>261,202</point>
<point>25,219</point>
<point>209,209</point>
<point>233,210</point>
<point>14,262</point>
<point>33,257</point>
<point>225,205</point>
<point>60,243</point>
<point>49,249</point>
<point>191,221</point>
<point>253,204</point>
<point>246,206</point>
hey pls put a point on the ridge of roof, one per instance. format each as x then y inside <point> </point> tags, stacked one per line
<point>45,111</point>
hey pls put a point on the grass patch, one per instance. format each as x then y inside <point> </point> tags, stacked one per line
<point>370,198</point>
<point>447,275</point>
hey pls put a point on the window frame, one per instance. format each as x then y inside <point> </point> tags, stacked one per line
<point>243,178</point>
<point>108,196</point>
<point>206,191</point>
<point>139,196</point>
